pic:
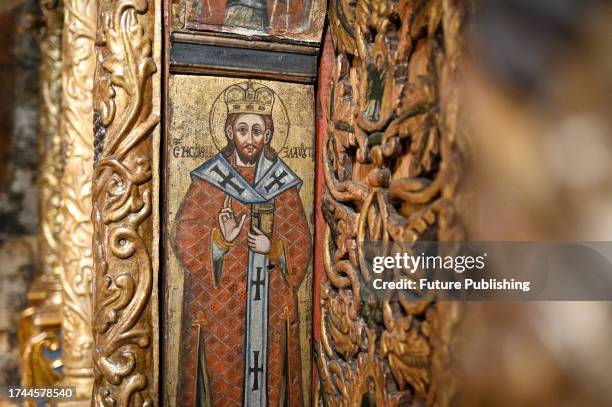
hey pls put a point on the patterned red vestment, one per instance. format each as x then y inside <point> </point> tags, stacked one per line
<point>216,314</point>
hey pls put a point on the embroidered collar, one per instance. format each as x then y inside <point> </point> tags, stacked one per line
<point>272,178</point>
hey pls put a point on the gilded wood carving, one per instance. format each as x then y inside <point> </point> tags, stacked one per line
<point>50,144</point>
<point>78,64</point>
<point>391,161</point>
<point>126,103</point>
<point>40,322</point>
<point>239,190</point>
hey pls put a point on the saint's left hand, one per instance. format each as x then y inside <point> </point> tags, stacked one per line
<point>258,241</point>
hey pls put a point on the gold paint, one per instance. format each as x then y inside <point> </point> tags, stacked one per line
<point>40,322</point>
<point>392,165</point>
<point>78,65</point>
<point>125,185</point>
<point>190,143</point>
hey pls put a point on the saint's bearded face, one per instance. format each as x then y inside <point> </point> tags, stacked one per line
<point>250,135</point>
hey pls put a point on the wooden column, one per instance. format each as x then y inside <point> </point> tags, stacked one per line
<point>78,64</point>
<point>391,162</point>
<point>125,185</point>
<point>40,322</point>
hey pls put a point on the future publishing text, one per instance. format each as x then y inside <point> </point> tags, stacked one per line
<point>428,265</point>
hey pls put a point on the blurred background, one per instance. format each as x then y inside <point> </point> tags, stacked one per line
<point>537,119</point>
<point>19,103</point>
<point>538,115</point>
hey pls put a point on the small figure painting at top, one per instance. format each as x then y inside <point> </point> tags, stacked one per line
<point>296,19</point>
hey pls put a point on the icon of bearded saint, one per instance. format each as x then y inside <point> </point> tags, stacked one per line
<point>242,236</point>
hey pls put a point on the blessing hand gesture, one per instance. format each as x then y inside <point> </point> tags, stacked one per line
<point>229,225</point>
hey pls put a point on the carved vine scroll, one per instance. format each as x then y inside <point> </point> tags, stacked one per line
<point>124,195</point>
<point>392,159</point>
<point>40,323</point>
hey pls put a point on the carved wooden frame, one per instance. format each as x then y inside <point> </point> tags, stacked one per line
<point>391,163</point>
<point>125,202</point>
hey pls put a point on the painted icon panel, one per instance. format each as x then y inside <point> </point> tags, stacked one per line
<point>238,222</point>
<point>294,19</point>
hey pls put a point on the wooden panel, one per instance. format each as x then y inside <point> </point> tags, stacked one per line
<point>244,61</point>
<point>267,53</point>
<point>208,301</point>
<point>231,55</point>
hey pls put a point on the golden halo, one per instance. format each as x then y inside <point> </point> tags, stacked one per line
<point>218,115</point>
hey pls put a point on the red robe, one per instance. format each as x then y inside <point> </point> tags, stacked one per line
<point>220,311</point>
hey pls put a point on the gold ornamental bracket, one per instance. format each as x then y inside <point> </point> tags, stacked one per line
<point>125,201</point>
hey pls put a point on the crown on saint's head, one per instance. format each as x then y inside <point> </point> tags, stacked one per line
<point>249,99</point>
